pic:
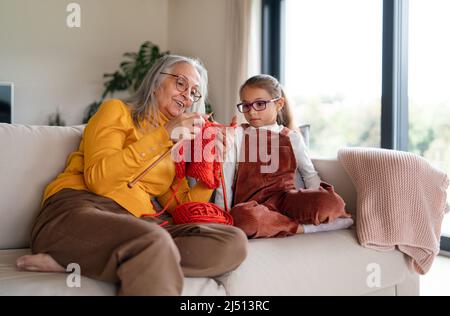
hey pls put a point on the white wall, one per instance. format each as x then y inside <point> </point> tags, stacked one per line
<point>197,28</point>
<point>52,65</point>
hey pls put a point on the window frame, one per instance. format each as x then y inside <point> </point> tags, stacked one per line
<point>271,37</point>
<point>394,95</point>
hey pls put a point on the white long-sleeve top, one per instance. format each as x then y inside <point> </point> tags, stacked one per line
<point>306,175</point>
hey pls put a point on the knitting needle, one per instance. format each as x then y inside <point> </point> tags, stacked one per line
<point>132,183</point>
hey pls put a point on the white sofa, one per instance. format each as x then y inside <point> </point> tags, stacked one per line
<point>329,263</point>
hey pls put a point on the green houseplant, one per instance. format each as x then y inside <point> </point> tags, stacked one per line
<point>129,76</point>
<point>55,119</point>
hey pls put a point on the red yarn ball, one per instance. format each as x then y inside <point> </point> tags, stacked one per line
<point>200,212</point>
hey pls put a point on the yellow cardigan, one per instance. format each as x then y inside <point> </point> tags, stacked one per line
<point>113,152</point>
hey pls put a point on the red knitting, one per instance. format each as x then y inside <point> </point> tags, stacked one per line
<point>209,171</point>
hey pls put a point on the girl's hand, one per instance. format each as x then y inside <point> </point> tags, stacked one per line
<point>233,121</point>
<point>226,136</point>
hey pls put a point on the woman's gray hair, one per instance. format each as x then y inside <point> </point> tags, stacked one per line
<point>143,103</point>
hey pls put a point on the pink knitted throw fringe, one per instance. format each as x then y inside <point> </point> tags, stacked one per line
<point>401,202</point>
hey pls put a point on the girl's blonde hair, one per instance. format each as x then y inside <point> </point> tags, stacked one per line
<point>143,103</point>
<point>273,87</point>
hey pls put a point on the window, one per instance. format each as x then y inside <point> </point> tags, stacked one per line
<point>336,58</point>
<point>332,71</point>
<point>6,102</point>
<point>429,84</point>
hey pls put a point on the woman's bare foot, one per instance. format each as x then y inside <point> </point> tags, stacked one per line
<point>40,262</point>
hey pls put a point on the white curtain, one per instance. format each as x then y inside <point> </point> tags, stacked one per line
<point>242,34</point>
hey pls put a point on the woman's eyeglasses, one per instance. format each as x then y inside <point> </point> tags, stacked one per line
<point>258,105</point>
<point>182,85</point>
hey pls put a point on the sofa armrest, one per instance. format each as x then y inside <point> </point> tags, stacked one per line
<point>331,171</point>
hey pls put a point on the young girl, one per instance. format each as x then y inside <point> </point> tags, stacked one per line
<point>268,204</point>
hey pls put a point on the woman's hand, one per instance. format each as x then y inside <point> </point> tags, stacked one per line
<point>185,126</point>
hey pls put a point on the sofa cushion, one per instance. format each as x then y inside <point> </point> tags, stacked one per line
<point>30,157</point>
<point>328,263</point>
<point>13,282</point>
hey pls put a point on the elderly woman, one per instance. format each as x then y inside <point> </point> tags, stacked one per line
<point>91,216</point>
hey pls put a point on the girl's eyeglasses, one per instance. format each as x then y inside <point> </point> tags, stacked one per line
<point>258,105</point>
<point>182,85</point>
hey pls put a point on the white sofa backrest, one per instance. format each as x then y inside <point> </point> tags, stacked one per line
<point>30,158</point>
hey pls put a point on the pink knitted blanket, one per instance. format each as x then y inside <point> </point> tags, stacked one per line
<point>401,202</point>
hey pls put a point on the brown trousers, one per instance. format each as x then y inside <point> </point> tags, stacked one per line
<point>110,244</point>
